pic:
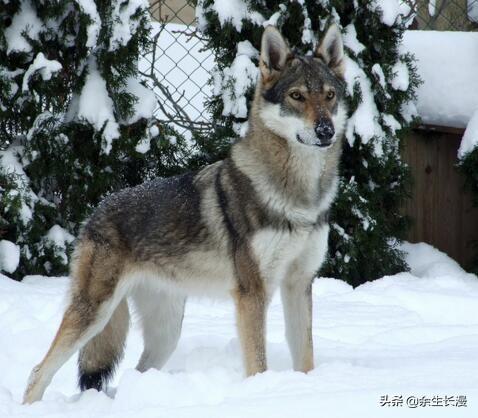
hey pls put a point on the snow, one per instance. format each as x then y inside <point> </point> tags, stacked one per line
<point>409,334</point>
<point>59,236</point>
<point>154,131</point>
<point>45,66</point>
<point>89,8</point>
<point>391,9</point>
<point>470,137</point>
<point>146,103</point>
<point>447,64</point>
<point>409,111</point>
<point>123,24</point>
<point>401,77</point>
<point>350,40</point>
<point>143,146</point>
<point>242,75</point>
<point>391,122</point>
<point>378,72</point>
<point>234,12</point>
<point>96,106</point>
<point>363,121</point>
<point>308,36</point>
<point>27,21</point>
<point>9,161</point>
<point>9,256</point>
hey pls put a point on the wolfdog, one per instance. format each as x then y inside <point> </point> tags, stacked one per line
<point>242,227</point>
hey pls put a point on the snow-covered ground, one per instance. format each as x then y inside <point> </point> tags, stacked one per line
<point>412,334</point>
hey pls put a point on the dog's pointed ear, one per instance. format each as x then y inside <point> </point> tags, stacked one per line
<point>274,53</point>
<point>331,50</point>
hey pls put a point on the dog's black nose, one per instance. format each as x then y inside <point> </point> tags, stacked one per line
<point>324,131</point>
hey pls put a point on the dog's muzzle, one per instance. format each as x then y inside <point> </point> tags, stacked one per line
<point>325,132</point>
<point>322,136</point>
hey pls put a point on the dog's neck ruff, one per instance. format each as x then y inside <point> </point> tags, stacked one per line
<point>288,179</point>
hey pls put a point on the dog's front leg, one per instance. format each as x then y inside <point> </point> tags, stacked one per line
<point>250,299</point>
<point>297,301</point>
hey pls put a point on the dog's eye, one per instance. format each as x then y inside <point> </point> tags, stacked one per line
<point>330,94</point>
<point>296,96</point>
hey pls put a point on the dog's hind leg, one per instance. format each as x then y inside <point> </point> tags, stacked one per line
<point>161,315</point>
<point>95,296</point>
<point>98,358</point>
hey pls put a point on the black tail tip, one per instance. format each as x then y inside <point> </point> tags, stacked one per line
<point>94,380</point>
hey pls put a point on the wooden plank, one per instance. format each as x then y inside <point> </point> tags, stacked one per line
<point>440,208</point>
<point>443,129</point>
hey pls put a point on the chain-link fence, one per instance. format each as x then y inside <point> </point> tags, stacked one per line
<point>452,15</point>
<point>178,67</point>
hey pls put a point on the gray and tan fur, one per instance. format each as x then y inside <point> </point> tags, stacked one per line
<point>243,227</point>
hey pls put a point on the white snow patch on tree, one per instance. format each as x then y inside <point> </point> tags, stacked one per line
<point>391,10</point>
<point>470,137</point>
<point>123,24</point>
<point>153,131</point>
<point>146,103</point>
<point>401,78</point>
<point>25,21</point>
<point>409,111</point>
<point>364,121</point>
<point>351,41</point>
<point>43,65</point>
<point>308,36</point>
<point>96,106</point>
<point>234,12</point>
<point>143,146</point>
<point>447,63</point>
<point>89,7</point>
<point>59,238</point>
<point>9,161</point>
<point>378,72</point>
<point>9,256</point>
<point>237,79</point>
<point>10,164</point>
<point>391,122</point>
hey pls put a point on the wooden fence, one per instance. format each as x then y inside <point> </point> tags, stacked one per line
<point>440,207</point>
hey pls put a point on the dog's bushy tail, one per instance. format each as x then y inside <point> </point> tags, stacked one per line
<point>99,357</point>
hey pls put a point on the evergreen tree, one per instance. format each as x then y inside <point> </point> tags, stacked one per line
<point>366,225</point>
<point>468,164</point>
<point>75,122</point>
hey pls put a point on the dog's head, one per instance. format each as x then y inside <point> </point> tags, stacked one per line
<point>302,97</point>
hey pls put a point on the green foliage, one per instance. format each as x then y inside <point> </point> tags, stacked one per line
<point>55,166</point>
<point>468,167</point>
<point>367,224</point>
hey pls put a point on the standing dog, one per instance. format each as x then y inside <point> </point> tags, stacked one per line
<point>242,226</point>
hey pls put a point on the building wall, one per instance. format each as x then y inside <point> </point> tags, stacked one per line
<point>175,11</point>
<point>448,15</point>
<point>440,207</point>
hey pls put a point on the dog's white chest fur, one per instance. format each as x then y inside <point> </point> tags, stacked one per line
<point>280,253</point>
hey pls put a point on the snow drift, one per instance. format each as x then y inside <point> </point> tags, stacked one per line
<point>409,334</point>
